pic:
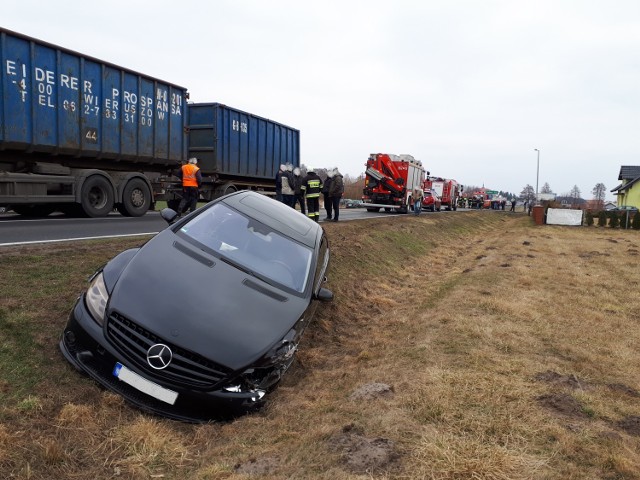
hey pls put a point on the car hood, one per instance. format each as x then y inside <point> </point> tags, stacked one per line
<point>198,302</point>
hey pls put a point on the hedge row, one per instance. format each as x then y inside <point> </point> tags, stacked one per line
<point>614,219</point>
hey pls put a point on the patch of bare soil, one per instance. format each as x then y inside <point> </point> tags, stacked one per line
<point>631,425</point>
<point>619,387</point>
<point>563,404</point>
<point>362,455</point>
<point>258,466</point>
<point>556,379</point>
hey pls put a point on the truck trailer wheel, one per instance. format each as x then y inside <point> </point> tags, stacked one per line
<point>228,187</point>
<point>136,198</point>
<point>97,196</point>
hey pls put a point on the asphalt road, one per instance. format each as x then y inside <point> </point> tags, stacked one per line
<point>18,230</point>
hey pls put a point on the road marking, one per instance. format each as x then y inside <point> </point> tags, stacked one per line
<point>34,242</point>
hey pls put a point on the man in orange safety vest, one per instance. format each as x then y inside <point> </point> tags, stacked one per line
<point>191,179</point>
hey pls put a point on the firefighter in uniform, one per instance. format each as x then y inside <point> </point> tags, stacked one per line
<point>298,179</point>
<point>311,187</point>
<point>191,179</point>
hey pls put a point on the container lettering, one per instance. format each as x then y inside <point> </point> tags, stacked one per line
<point>176,104</point>
<point>239,126</point>
<point>136,108</point>
<point>162,106</point>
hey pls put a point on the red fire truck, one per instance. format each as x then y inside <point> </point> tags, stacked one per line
<point>390,180</point>
<point>448,190</point>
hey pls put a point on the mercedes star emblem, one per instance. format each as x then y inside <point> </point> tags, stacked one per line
<point>159,356</point>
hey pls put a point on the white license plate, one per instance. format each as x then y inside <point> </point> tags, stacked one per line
<point>145,386</point>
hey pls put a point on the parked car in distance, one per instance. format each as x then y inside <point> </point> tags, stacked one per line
<point>431,201</point>
<point>626,208</point>
<point>205,318</point>
<point>354,204</point>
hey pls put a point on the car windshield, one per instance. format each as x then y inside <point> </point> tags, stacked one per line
<point>251,246</point>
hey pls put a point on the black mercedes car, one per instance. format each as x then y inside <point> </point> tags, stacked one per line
<point>205,318</point>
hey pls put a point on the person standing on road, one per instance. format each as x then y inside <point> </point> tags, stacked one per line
<point>418,195</point>
<point>288,192</point>
<point>312,186</point>
<point>325,194</point>
<point>335,192</point>
<point>298,180</point>
<point>513,205</point>
<point>191,179</point>
<point>281,170</point>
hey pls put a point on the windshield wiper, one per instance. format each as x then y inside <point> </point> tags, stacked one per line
<point>238,266</point>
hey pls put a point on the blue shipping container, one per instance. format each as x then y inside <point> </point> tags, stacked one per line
<point>232,143</point>
<point>58,101</point>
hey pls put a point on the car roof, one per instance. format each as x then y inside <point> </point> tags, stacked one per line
<point>276,215</point>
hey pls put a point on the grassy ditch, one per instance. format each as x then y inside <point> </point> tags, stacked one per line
<point>466,345</point>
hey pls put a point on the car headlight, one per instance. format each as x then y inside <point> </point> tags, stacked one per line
<point>282,352</point>
<point>268,371</point>
<point>96,298</point>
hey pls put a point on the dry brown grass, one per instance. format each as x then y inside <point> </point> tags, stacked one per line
<point>512,352</point>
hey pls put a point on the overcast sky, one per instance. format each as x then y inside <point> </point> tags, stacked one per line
<point>470,88</point>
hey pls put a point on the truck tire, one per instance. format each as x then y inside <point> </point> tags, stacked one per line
<point>97,196</point>
<point>225,189</point>
<point>136,198</point>
<point>373,209</point>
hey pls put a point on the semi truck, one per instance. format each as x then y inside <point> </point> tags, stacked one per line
<point>390,180</point>
<point>85,136</point>
<point>447,189</point>
<point>236,150</point>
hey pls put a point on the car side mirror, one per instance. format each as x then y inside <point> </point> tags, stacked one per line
<point>324,295</point>
<point>169,215</point>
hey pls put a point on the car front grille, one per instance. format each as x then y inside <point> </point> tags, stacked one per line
<point>186,368</point>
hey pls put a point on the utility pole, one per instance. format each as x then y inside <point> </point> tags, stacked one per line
<point>537,174</point>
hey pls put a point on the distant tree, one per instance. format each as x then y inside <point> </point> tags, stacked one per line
<point>353,186</point>
<point>507,195</point>
<point>546,188</point>
<point>322,173</point>
<point>599,193</point>
<point>575,195</point>
<point>528,193</point>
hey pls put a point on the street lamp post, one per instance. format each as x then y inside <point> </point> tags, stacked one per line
<point>537,174</point>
